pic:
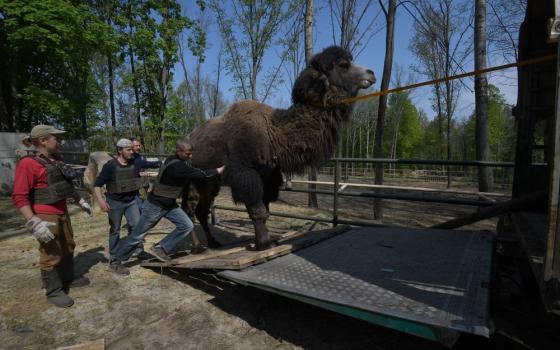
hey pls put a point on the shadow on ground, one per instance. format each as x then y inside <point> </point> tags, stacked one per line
<point>289,320</point>
<point>84,261</point>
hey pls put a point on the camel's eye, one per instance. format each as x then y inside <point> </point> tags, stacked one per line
<point>344,64</point>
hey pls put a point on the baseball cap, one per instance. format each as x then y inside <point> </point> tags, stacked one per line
<point>122,143</point>
<point>44,130</point>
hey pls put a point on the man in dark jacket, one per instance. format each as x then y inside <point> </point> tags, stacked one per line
<point>162,202</point>
<point>122,181</point>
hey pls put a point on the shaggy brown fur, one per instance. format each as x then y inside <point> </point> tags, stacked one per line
<point>257,142</point>
<point>96,162</point>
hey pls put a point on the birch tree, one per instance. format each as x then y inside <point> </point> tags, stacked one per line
<point>248,30</point>
<point>481,97</point>
<point>442,46</point>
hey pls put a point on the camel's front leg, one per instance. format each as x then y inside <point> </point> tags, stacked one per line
<point>202,211</point>
<point>258,213</point>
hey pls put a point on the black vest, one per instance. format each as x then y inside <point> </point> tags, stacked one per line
<point>126,179</point>
<point>167,191</point>
<point>59,187</point>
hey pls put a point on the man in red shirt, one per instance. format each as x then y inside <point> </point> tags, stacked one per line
<point>42,184</point>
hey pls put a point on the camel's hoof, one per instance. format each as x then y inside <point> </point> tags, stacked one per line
<point>214,244</point>
<point>265,245</point>
<point>198,249</point>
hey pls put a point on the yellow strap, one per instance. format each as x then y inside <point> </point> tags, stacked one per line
<point>458,76</point>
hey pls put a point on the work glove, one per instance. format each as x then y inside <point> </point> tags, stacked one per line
<point>40,229</point>
<point>85,206</point>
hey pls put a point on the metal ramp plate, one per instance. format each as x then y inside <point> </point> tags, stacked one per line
<point>431,283</point>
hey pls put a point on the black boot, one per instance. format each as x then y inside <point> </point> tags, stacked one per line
<point>54,289</point>
<point>66,272</point>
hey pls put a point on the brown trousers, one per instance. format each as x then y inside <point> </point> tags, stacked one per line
<point>62,245</point>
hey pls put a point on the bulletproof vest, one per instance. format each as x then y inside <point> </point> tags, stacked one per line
<point>126,180</point>
<point>59,187</point>
<point>167,191</point>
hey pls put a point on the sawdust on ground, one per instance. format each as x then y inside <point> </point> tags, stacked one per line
<point>152,309</point>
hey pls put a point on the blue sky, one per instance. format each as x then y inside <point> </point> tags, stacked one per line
<point>372,56</point>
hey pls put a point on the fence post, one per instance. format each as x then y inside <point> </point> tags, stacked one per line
<point>335,193</point>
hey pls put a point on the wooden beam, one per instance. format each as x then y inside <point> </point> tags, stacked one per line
<point>495,210</point>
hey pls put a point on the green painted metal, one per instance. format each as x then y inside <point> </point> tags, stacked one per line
<point>433,333</point>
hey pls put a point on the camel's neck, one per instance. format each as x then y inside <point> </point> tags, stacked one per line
<point>306,135</point>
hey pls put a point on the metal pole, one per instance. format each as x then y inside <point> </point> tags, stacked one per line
<point>428,162</point>
<point>401,197</point>
<point>552,254</point>
<point>335,191</point>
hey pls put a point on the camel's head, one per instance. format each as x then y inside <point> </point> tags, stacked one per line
<point>331,70</point>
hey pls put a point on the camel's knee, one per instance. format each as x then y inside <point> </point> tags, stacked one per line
<point>258,213</point>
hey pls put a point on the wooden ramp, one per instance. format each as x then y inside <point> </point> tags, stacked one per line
<point>239,256</point>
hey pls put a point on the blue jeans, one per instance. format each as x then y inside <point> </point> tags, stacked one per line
<point>151,215</point>
<point>138,202</point>
<point>118,209</point>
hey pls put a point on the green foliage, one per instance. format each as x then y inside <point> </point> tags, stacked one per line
<point>403,127</point>
<point>47,49</point>
<point>501,129</point>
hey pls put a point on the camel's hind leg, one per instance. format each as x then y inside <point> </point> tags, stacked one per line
<point>207,192</point>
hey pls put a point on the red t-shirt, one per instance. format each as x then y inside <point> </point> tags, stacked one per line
<point>32,174</point>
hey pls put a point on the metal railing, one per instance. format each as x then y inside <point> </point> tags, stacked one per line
<point>340,191</point>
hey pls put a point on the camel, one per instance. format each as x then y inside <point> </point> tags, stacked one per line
<point>257,142</point>
<point>96,162</point>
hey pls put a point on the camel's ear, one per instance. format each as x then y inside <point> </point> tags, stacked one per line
<point>321,64</point>
<point>310,88</point>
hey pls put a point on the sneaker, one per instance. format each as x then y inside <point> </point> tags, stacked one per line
<point>159,253</point>
<point>119,269</point>
<point>80,282</point>
<point>143,256</point>
<point>137,252</point>
<point>198,249</point>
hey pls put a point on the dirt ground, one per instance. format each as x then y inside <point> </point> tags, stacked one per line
<point>152,309</point>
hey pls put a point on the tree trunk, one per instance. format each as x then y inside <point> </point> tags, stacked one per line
<point>387,67</point>
<point>217,90</point>
<point>308,40</point>
<point>308,31</point>
<point>5,122</point>
<point>136,90</point>
<point>163,86</point>
<point>14,94</point>
<point>112,99</point>
<point>481,97</point>
<point>83,103</point>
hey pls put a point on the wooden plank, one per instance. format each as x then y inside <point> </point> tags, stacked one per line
<point>288,234</point>
<point>247,258</point>
<point>486,198</point>
<point>495,210</point>
<point>209,254</point>
<point>92,345</point>
<point>240,257</point>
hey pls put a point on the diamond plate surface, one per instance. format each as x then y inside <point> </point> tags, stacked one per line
<point>437,277</point>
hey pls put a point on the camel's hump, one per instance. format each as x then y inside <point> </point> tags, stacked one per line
<point>247,108</point>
